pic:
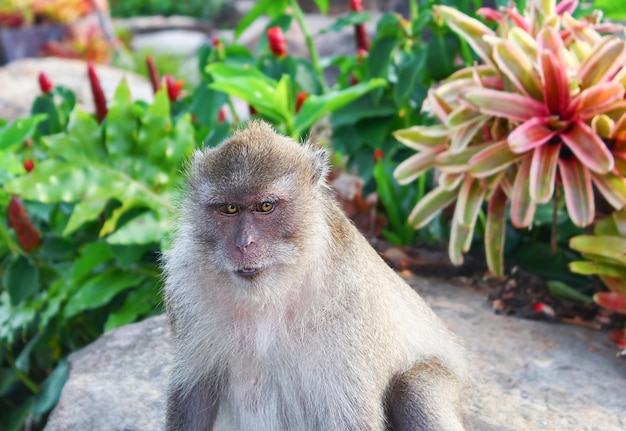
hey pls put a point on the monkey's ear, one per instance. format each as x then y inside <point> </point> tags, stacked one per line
<point>321,159</point>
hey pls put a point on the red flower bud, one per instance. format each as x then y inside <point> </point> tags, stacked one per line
<point>541,307</point>
<point>173,87</point>
<point>378,155</point>
<point>221,116</point>
<point>252,110</point>
<point>276,39</point>
<point>356,5</point>
<point>153,72</point>
<point>216,42</point>
<point>98,94</point>
<point>29,165</point>
<point>618,336</point>
<point>19,220</point>
<point>300,98</point>
<point>45,84</point>
<point>353,80</point>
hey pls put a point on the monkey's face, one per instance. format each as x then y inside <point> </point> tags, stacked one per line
<point>254,203</point>
<point>251,236</point>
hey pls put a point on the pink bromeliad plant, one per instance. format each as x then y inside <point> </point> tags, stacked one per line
<point>542,114</point>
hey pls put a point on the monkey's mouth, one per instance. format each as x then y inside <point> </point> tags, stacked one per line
<point>248,272</point>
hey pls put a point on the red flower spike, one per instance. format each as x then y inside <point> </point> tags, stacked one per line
<point>29,165</point>
<point>173,87</point>
<point>356,5</point>
<point>153,72</point>
<point>19,220</point>
<point>98,94</point>
<point>45,84</point>
<point>362,37</point>
<point>277,42</point>
<point>378,155</point>
<point>300,98</point>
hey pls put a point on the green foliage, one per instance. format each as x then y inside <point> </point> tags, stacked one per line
<point>604,257</point>
<point>194,8</point>
<point>101,196</point>
<point>613,10</point>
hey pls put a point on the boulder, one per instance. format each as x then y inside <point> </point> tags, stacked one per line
<point>528,375</point>
<point>20,86</point>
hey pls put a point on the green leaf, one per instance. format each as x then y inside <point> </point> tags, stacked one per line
<point>13,135</point>
<point>44,105</point>
<point>303,74</point>
<point>322,4</point>
<point>122,123</point>
<point>144,229</point>
<point>84,212</point>
<point>612,248</point>
<point>315,107</point>
<point>51,389</point>
<point>56,181</point>
<point>8,377</point>
<point>365,107</point>
<point>351,19</point>
<point>379,57</point>
<point>249,85</point>
<point>597,268</point>
<point>154,135</point>
<point>83,140</point>
<point>410,68</point>
<point>100,290</point>
<point>566,292</point>
<point>139,302</point>
<point>206,104</point>
<point>272,7</point>
<point>91,256</point>
<point>21,279</point>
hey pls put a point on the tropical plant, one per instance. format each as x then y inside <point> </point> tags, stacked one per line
<point>543,112</point>
<point>87,201</point>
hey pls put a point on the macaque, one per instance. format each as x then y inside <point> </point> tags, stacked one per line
<point>283,317</point>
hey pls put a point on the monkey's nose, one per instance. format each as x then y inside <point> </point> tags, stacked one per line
<point>243,242</point>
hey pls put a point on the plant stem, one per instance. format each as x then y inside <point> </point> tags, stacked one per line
<point>315,59</point>
<point>414,10</point>
<point>553,232</point>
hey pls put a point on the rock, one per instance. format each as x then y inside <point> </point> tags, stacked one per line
<point>529,375</point>
<point>20,86</point>
<point>118,382</point>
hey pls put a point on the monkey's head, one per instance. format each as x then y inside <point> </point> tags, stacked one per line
<point>255,201</point>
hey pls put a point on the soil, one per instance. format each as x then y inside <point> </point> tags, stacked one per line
<point>520,293</point>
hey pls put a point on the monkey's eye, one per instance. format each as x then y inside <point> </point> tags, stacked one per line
<point>229,209</point>
<point>264,207</point>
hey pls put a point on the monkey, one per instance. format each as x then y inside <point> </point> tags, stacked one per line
<point>282,315</point>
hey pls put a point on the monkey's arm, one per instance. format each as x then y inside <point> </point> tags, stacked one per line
<point>192,408</point>
<point>425,398</point>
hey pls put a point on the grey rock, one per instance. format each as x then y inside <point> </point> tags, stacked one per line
<point>19,84</point>
<point>529,375</point>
